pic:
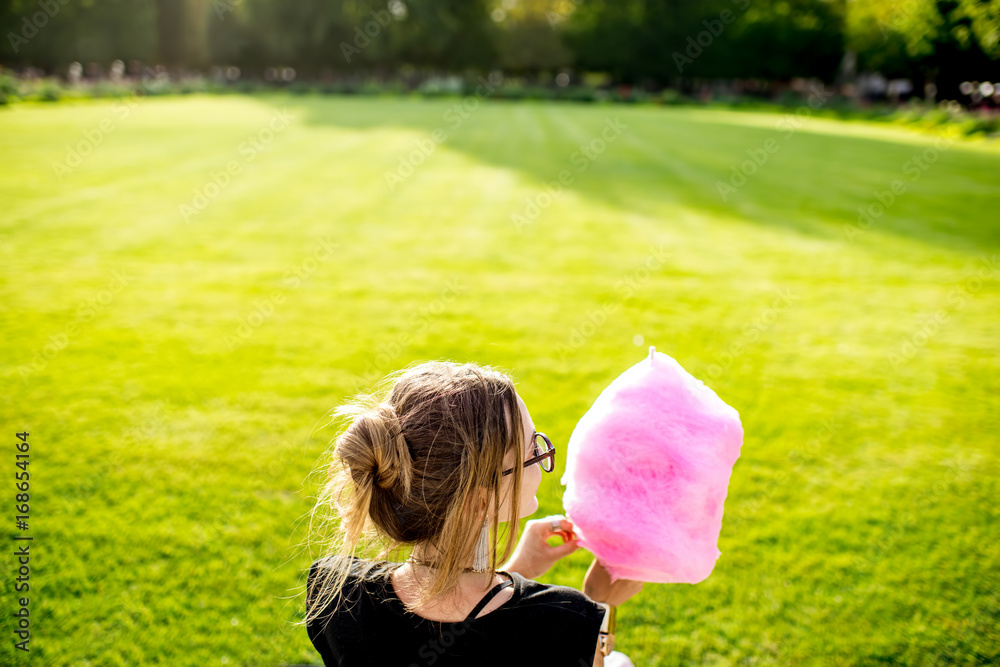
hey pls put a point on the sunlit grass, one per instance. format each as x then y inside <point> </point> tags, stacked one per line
<point>174,375</point>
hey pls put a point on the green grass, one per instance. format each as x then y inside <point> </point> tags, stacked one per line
<point>171,450</point>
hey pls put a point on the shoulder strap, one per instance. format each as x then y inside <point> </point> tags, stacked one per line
<point>489,596</point>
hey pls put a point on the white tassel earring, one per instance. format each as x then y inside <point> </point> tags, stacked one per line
<point>481,561</point>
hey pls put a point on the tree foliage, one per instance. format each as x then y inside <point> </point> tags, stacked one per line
<point>660,41</point>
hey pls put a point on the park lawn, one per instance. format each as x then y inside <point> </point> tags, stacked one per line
<point>175,335</point>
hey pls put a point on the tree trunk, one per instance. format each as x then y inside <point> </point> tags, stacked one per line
<point>182,29</point>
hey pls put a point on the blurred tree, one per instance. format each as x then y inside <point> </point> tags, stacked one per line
<point>782,39</point>
<point>305,34</point>
<point>449,35</point>
<point>635,40</point>
<point>527,41</point>
<point>984,23</point>
<point>658,41</point>
<point>529,46</point>
<point>182,33</point>
<point>354,37</point>
<point>666,39</point>
<point>943,42</point>
<point>170,31</point>
<point>57,34</point>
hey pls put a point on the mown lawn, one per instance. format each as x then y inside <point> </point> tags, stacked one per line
<point>175,333</point>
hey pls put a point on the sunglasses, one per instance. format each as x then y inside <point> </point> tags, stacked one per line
<point>545,454</point>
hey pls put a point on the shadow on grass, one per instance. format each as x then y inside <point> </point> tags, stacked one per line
<point>810,178</point>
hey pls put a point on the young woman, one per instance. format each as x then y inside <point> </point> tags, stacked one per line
<point>446,456</point>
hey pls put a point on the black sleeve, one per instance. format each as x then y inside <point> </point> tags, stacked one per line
<point>315,627</point>
<point>575,621</point>
<point>595,618</point>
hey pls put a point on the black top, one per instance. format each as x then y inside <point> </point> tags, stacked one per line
<point>541,624</point>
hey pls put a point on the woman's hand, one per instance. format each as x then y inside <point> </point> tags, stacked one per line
<point>598,587</point>
<point>533,556</point>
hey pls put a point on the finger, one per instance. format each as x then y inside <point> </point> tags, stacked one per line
<point>566,535</point>
<point>542,526</point>
<point>563,531</point>
<point>563,535</point>
<point>565,526</point>
<point>563,549</point>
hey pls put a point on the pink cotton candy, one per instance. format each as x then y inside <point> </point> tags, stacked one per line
<point>647,473</point>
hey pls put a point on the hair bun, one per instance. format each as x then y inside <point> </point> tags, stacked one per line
<point>391,461</point>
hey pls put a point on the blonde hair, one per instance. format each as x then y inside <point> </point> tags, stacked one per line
<point>406,469</point>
